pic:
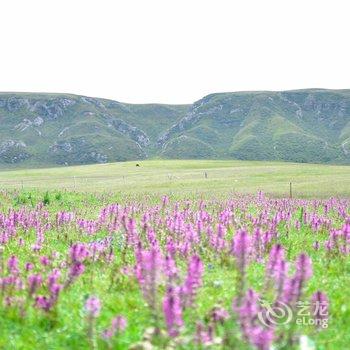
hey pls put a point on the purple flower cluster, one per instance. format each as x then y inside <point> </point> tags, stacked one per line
<point>169,254</point>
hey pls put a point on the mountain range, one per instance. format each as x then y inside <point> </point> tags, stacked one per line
<point>39,129</point>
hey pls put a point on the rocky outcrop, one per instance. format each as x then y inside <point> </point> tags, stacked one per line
<point>93,101</point>
<point>52,109</point>
<point>76,150</point>
<point>15,103</point>
<point>47,108</point>
<point>29,123</point>
<point>12,151</point>
<point>133,132</point>
<point>192,117</point>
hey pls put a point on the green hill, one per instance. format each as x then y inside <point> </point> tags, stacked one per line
<point>300,126</point>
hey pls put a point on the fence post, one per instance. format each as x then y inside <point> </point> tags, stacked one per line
<point>290,190</point>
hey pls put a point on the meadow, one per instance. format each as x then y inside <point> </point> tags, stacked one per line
<point>175,255</point>
<point>187,177</point>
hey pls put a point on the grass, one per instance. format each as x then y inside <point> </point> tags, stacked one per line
<point>85,190</point>
<point>65,326</point>
<point>184,177</point>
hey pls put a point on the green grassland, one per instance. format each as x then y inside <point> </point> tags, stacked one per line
<point>87,189</point>
<point>184,177</point>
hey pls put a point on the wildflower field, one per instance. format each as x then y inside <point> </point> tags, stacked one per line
<point>81,269</point>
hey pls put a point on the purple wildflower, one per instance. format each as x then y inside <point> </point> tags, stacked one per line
<point>29,266</point>
<point>204,335</point>
<point>93,306</point>
<point>303,267</point>
<point>319,309</point>
<point>34,282</point>
<point>274,262</point>
<point>44,260</point>
<point>117,326</point>
<point>219,314</point>
<point>78,252</point>
<point>293,286</point>
<point>193,280</point>
<point>241,249</point>
<point>262,337</point>
<point>253,331</point>
<point>76,269</point>
<point>170,268</point>
<point>277,268</point>
<point>148,268</point>
<point>43,302</point>
<point>172,312</point>
<point>12,265</point>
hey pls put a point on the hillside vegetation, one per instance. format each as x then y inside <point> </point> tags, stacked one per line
<point>60,129</point>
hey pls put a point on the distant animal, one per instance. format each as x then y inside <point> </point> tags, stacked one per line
<point>137,164</point>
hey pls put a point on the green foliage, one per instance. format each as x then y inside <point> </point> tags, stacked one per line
<point>20,200</point>
<point>185,147</point>
<point>46,199</point>
<point>23,198</point>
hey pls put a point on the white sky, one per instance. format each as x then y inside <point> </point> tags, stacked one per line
<point>172,51</point>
